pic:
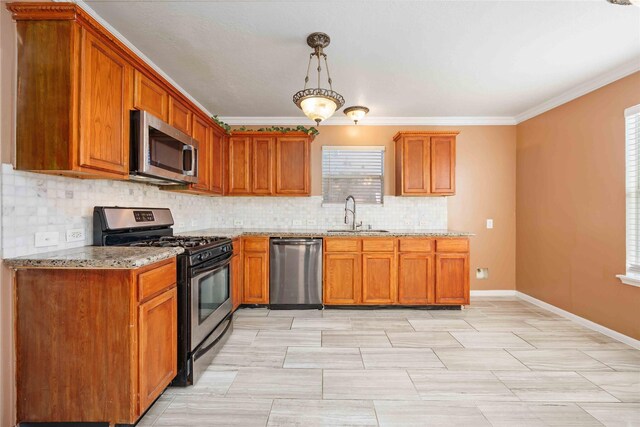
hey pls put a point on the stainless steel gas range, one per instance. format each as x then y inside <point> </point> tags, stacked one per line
<point>204,279</point>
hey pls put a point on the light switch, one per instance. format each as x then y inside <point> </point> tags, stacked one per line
<point>489,223</point>
<point>46,238</point>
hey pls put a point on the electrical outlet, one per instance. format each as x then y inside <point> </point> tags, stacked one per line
<point>237,222</point>
<point>297,222</point>
<point>489,223</point>
<point>46,238</point>
<point>312,222</point>
<point>482,273</point>
<point>194,222</point>
<point>75,235</point>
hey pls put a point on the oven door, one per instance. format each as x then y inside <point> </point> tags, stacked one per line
<point>210,299</point>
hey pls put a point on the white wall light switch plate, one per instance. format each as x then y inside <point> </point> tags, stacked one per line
<point>489,223</point>
<point>46,238</point>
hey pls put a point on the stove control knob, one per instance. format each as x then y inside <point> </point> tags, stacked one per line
<point>200,257</point>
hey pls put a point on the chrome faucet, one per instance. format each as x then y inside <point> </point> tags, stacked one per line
<point>354,225</point>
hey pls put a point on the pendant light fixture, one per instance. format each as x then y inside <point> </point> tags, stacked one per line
<point>625,2</point>
<point>318,103</point>
<point>355,113</point>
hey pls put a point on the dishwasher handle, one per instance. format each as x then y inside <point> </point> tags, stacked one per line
<point>298,242</point>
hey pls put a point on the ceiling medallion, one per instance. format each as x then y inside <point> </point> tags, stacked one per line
<point>355,113</point>
<point>318,103</point>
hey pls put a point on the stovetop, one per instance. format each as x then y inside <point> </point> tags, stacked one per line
<point>187,242</point>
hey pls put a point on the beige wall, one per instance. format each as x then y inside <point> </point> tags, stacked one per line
<point>571,207</point>
<point>485,188</point>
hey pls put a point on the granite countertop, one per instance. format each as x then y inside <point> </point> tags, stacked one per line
<point>95,257</point>
<point>237,232</point>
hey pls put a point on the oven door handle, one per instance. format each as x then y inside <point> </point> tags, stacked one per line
<point>201,271</point>
<point>212,339</point>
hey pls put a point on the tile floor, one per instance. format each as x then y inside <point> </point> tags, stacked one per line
<point>500,362</point>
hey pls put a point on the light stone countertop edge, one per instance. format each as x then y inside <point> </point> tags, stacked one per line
<point>94,257</point>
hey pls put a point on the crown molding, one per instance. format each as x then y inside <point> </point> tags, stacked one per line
<point>116,34</point>
<point>578,91</point>
<point>372,121</point>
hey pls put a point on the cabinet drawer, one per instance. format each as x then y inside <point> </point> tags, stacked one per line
<point>378,245</point>
<point>416,245</point>
<point>342,245</point>
<point>452,245</point>
<point>256,244</point>
<point>154,281</point>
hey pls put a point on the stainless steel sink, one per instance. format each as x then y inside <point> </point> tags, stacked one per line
<point>357,231</point>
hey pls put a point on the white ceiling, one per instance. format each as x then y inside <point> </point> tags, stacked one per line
<point>399,58</point>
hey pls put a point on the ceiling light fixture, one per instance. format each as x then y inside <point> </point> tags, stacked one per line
<point>318,103</point>
<point>625,2</point>
<point>357,112</point>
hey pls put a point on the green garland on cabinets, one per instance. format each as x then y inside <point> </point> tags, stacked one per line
<point>227,128</point>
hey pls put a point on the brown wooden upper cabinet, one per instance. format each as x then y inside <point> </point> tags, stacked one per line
<point>425,163</point>
<point>150,96</point>
<point>77,84</point>
<point>292,166</point>
<point>268,164</point>
<point>180,116</point>
<point>239,165</point>
<point>74,96</point>
<point>202,134</point>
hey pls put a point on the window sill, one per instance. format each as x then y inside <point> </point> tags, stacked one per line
<point>630,279</point>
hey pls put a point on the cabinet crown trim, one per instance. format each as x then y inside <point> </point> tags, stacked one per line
<point>401,134</point>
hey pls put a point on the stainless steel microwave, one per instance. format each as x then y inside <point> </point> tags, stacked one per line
<point>160,153</point>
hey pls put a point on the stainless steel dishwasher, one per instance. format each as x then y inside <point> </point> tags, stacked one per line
<point>295,278</point>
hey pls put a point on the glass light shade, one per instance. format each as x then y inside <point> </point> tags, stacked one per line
<point>356,113</point>
<point>318,108</point>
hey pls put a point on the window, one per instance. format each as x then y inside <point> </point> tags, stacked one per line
<point>632,125</point>
<point>352,170</point>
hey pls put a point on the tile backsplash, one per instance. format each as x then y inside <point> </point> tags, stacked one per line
<point>35,202</point>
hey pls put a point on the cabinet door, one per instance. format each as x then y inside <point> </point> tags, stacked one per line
<point>416,279</point>
<point>149,96</point>
<point>179,116</point>
<point>342,278</point>
<point>256,278</point>
<point>217,163</point>
<point>262,182</point>
<point>378,278</point>
<point>239,177</point>
<point>202,133</point>
<point>292,166</point>
<point>105,101</point>
<point>236,281</point>
<point>452,278</point>
<point>443,154</point>
<point>415,165</point>
<point>158,347</point>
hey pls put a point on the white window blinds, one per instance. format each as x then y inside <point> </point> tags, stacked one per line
<point>352,170</point>
<point>632,116</point>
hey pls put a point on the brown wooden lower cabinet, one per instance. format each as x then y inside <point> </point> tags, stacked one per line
<point>416,278</point>
<point>90,346</point>
<point>255,271</point>
<point>452,278</point>
<point>419,274</point>
<point>379,278</point>
<point>236,274</point>
<point>342,278</point>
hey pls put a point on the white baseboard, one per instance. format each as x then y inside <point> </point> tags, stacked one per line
<point>580,320</point>
<point>494,293</point>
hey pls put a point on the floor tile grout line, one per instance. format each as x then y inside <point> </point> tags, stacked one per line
<point>270,411</point>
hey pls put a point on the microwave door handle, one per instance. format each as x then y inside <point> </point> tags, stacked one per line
<point>192,170</point>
